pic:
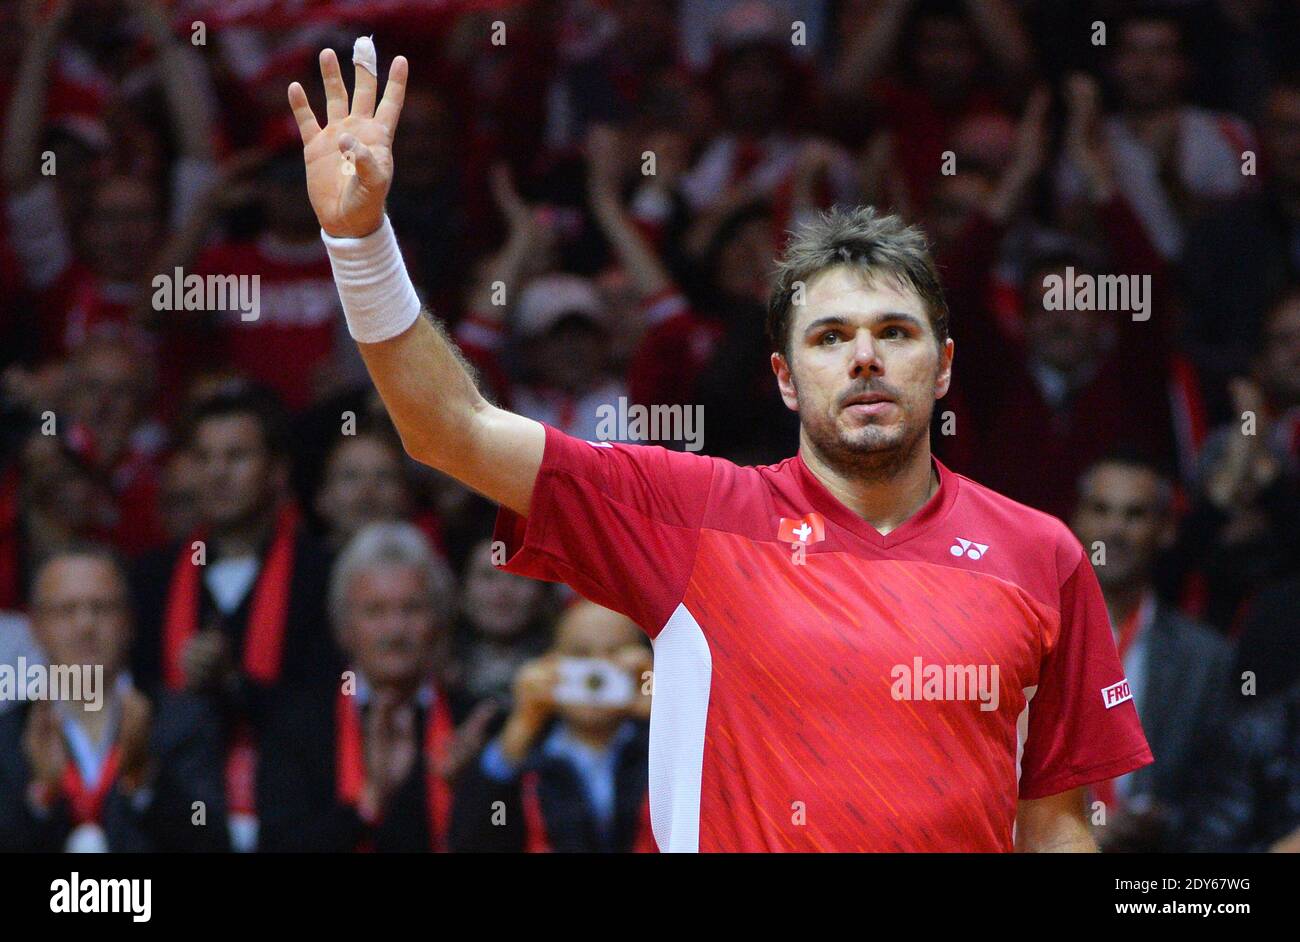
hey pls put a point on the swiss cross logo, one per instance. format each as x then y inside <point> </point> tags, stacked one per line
<point>968,548</point>
<point>807,529</point>
<point>1116,694</point>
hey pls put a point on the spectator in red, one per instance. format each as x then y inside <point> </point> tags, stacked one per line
<point>754,153</point>
<point>371,762</point>
<point>299,317</point>
<point>1047,403</point>
<point>1170,157</point>
<point>126,216</point>
<point>49,499</point>
<point>925,67</point>
<point>108,392</point>
<point>236,609</point>
<point>110,771</point>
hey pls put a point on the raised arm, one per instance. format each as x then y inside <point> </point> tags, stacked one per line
<point>184,83</point>
<point>25,117</point>
<point>868,53</point>
<point>424,381</point>
<point>604,153</point>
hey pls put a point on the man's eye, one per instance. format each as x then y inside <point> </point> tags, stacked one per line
<point>830,337</point>
<point>893,333</point>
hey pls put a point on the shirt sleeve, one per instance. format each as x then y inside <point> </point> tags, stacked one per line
<point>1083,725</point>
<point>619,523</point>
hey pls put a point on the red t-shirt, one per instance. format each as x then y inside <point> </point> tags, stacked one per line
<point>296,329</point>
<point>780,720</point>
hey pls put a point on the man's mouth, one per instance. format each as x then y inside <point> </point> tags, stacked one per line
<point>868,404</point>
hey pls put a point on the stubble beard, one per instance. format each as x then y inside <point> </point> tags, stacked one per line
<point>869,452</point>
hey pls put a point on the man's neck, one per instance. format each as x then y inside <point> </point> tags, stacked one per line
<point>94,722</point>
<point>394,692</point>
<point>242,539</point>
<point>397,691</point>
<point>1155,126</point>
<point>1121,602</point>
<point>885,500</point>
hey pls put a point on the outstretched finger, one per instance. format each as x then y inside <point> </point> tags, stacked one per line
<point>390,109</point>
<point>365,71</point>
<point>302,113</point>
<point>336,93</point>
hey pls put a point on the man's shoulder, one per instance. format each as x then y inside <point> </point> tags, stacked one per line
<point>1191,633</point>
<point>1029,533</point>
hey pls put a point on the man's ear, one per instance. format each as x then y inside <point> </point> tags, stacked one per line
<point>785,381</point>
<point>943,381</point>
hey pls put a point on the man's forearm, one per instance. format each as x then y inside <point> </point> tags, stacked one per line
<point>1080,842</point>
<point>428,389</point>
<point>26,109</point>
<point>446,423</point>
<point>1054,825</point>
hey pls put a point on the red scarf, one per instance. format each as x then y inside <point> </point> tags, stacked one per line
<point>1133,625</point>
<point>87,804</point>
<point>264,639</point>
<point>538,841</point>
<point>350,762</point>
<point>11,591</point>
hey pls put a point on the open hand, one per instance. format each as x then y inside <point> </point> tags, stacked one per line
<point>350,204</point>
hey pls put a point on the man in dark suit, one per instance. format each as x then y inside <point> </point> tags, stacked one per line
<point>370,763</point>
<point>235,611</point>
<point>94,765</point>
<point>1178,670</point>
<point>240,602</point>
<point>1248,798</point>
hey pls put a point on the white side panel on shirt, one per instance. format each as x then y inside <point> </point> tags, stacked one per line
<point>683,673</point>
<point>1022,734</point>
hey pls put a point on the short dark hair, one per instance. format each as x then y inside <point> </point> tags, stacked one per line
<point>1135,458</point>
<point>240,398</point>
<point>1151,13</point>
<point>79,549</point>
<point>872,243</point>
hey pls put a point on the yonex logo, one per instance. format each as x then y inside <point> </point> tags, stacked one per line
<point>968,548</point>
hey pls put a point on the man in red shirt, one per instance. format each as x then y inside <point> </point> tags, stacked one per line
<point>855,649</point>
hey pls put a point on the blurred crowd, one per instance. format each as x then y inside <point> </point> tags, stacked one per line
<point>591,194</point>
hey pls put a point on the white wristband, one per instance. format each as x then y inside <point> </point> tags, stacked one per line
<point>378,298</point>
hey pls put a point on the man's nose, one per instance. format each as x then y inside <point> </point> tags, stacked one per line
<point>216,468</point>
<point>85,621</point>
<point>865,356</point>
